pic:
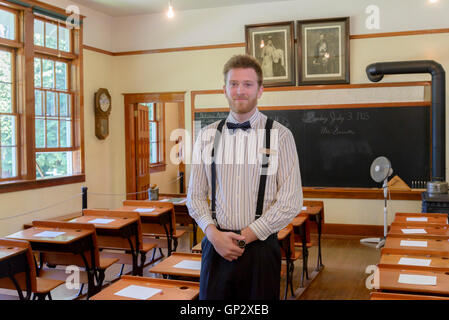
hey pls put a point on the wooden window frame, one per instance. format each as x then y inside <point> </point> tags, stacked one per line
<point>57,92</point>
<point>159,165</point>
<point>25,52</point>
<point>13,112</point>
<point>44,49</point>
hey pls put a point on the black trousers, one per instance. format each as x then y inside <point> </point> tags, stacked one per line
<point>253,276</point>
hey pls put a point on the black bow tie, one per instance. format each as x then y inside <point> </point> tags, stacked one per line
<point>244,126</point>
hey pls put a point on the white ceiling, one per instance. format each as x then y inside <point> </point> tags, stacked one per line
<point>116,8</point>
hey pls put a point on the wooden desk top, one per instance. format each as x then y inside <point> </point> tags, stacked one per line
<point>171,289</point>
<point>388,280</point>
<point>167,265</point>
<point>177,201</point>
<point>197,248</point>
<point>117,224</point>
<point>299,220</point>
<point>433,246</point>
<point>284,232</point>
<point>435,218</point>
<point>7,252</point>
<point>312,210</point>
<point>432,232</point>
<point>155,213</point>
<point>403,296</point>
<point>391,260</point>
<point>420,214</point>
<point>69,236</point>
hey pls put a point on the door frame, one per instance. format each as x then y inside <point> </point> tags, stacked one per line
<point>130,157</point>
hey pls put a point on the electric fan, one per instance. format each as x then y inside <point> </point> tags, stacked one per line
<point>380,171</point>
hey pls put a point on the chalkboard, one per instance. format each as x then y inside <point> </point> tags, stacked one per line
<point>337,146</point>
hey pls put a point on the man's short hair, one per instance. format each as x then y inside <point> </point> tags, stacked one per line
<point>244,61</point>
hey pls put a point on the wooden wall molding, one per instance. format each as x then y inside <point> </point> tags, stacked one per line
<point>361,230</point>
<point>242,44</point>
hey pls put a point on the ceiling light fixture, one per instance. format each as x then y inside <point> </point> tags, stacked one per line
<point>170,12</point>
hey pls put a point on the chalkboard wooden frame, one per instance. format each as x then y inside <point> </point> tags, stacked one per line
<point>336,192</point>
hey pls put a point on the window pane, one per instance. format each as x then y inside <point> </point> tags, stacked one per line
<point>8,131</point>
<point>5,98</point>
<point>5,66</point>
<point>37,73</point>
<point>40,133</point>
<point>38,32</point>
<point>153,131</point>
<point>52,133</point>
<point>53,164</point>
<point>64,39</point>
<point>51,35</point>
<point>7,24</point>
<point>51,104</point>
<point>150,111</point>
<point>65,134</point>
<point>48,74</point>
<point>61,75</point>
<point>8,162</point>
<point>64,103</point>
<point>153,152</point>
<point>38,103</point>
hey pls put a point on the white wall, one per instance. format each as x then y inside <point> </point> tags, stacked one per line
<point>226,24</point>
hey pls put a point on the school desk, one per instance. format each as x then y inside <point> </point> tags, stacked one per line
<point>142,287</point>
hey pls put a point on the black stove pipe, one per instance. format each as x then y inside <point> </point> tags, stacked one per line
<point>376,72</point>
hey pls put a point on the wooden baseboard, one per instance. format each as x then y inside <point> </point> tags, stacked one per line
<point>350,229</point>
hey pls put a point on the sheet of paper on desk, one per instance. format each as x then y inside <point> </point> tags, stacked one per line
<point>415,262</point>
<point>409,243</point>
<point>417,279</point>
<point>49,234</point>
<point>413,231</point>
<point>101,221</point>
<point>143,210</point>
<point>138,292</point>
<point>304,208</point>
<point>181,201</point>
<point>164,200</point>
<point>189,264</point>
<point>420,219</point>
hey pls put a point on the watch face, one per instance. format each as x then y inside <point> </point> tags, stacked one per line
<point>104,102</point>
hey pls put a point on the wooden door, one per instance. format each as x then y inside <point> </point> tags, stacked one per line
<point>142,138</point>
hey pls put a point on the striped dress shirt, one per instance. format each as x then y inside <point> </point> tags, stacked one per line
<point>238,166</point>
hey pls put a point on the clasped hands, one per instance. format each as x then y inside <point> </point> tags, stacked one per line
<point>225,242</point>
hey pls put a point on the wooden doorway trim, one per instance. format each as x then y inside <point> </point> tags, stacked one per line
<point>131,99</point>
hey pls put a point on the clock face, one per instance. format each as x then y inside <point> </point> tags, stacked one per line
<point>104,102</point>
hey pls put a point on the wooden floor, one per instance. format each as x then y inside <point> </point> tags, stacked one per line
<point>342,278</point>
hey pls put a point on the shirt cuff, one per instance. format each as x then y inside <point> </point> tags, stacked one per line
<point>204,221</point>
<point>261,229</point>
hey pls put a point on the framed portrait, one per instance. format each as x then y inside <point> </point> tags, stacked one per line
<point>272,44</point>
<point>323,51</point>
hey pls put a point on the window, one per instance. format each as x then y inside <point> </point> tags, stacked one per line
<point>41,118</point>
<point>51,35</point>
<point>157,136</point>
<point>7,25</point>
<point>53,118</point>
<point>8,118</point>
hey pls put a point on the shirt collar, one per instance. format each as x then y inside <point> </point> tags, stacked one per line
<point>251,120</point>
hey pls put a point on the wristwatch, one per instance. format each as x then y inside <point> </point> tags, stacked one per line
<point>241,243</point>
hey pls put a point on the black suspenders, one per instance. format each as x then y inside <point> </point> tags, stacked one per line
<point>263,174</point>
